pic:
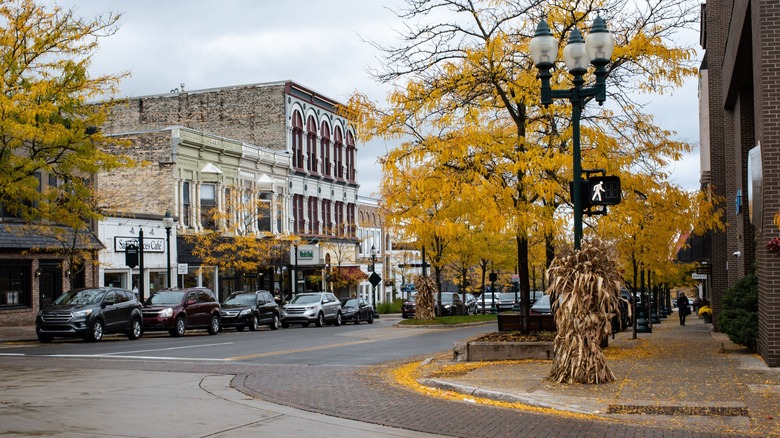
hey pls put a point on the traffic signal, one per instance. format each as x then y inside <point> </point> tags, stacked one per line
<point>602,190</point>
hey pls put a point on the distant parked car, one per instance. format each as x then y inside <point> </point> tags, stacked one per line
<point>178,310</point>
<point>316,307</point>
<point>503,301</point>
<point>470,302</point>
<point>542,306</point>
<point>356,310</point>
<point>451,304</point>
<point>90,313</point>
<point>250,310</point>
<point>408,307</point>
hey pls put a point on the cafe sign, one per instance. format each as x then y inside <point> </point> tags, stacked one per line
<point>151,244</point>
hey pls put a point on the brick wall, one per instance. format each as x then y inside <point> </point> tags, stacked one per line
<point>254,113</point>
<point>717,27</point>
<point>767,92</point>
<point>121,190</point>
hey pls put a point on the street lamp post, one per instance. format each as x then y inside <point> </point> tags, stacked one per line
<point>373,270</point>
<point>295,273</point>
<point>168,224</point>
<point>597,48</point>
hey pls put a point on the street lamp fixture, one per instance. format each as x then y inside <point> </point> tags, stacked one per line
<point>168,224</point>
<point>597,48</point>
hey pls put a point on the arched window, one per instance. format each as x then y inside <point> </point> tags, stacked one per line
<point>338,154</point>
<point>297,140</point>
<point>325,148</point>
<point>311,144</point>
<point>350,157</point>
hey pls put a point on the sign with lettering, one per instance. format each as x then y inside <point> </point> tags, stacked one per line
<point>305,254</point>
<point>131,255</point>
<point>151,244</point>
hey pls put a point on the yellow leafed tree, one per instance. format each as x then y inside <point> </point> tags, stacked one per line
<point>466,99</point>
<point>50,147</point>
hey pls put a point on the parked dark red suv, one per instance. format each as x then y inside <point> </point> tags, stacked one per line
<point>177,310</point>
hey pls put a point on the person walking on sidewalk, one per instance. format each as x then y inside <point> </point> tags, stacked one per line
<point>682,307</point>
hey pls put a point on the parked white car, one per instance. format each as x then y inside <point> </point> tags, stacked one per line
<point>312,307</point>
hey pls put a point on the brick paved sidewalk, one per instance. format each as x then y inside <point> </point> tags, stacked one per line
<point>685,377</point>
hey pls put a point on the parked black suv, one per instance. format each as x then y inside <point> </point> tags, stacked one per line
<point>178,310</point>
<point>250,310</point>
<point>90,313</point>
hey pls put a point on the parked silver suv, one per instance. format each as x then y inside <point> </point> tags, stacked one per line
<point>316,307</point>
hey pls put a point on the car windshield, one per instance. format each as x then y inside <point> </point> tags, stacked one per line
<point>352,302</point>
<point>543,303</point>
<point>305,299</point>
<point>241,299</point>
<point>446,297</point>
<point>166,297</point>
<point>81,297</point>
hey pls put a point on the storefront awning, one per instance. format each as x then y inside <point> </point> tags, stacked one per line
<point>45,237</point>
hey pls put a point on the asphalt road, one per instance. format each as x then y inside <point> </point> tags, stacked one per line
<point>349,344</point>
<point>333,378</point>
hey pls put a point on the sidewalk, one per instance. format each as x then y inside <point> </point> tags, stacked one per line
<point>682,378</point>
<point>685,377</point>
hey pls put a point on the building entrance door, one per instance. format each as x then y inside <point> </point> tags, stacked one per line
<point>49,284</point>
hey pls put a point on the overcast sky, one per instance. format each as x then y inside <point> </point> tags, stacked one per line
<point>318,44</point>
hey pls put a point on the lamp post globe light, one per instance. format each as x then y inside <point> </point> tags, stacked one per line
<point>168,224</point>
<point>597,49</point>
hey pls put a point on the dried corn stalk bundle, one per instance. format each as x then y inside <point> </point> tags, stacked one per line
<point>424,302</point>
<point>584,295</point>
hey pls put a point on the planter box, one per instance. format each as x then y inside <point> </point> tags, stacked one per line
<point>508,322</point>
<point>492,351</point>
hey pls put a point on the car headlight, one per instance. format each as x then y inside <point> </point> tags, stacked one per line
<point>245,312</point>
<point>81,313</point>
<point>166,313</point>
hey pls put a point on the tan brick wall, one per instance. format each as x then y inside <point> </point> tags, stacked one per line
<point>254,113</point>
<point>147,188</point>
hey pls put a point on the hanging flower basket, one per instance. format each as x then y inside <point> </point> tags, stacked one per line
<point>773,245</point>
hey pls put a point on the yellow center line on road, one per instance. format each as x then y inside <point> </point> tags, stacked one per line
<point>300,350</point>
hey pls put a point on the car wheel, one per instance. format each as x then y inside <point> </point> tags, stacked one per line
<point>320,320</point>
<point>337,322</point>
<point>179,327</point>
<point>214,326</point>
<point>135,330</point>
<point>285,325</point>
<point>253,323</point>
<point>371,318</point>
<point>275,322</point>
<point>44,338</point>
<point>97,331</point>
<point>239,328</point>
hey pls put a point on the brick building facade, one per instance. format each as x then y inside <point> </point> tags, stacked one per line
<point>742,89</point>
<point>278,139</point>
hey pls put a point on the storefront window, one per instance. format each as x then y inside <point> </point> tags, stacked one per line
<point>157,281</point>
<point>115,279</point>
<point>15,289</point>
